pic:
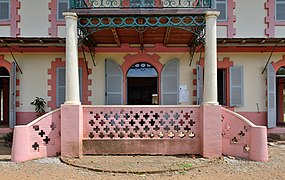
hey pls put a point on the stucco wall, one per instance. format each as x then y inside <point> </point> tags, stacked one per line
<point>250,18</point>
<point>4,31</point>
<point>34,18</point>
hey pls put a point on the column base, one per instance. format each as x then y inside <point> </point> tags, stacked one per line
<point>72,103</point>
<point>211,103</point>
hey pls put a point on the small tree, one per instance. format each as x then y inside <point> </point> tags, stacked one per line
<point>40,105</point>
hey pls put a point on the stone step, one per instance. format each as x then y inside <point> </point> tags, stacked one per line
<point>276,136</point>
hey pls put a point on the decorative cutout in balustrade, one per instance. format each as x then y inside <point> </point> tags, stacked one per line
<point>141,123</point>
<point>90,4</point>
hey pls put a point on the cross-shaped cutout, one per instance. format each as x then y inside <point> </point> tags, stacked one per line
<point>176,116</point>
<point>116,116</point>
<point>166,128</point>
<point>122,122</point>
<point>116,129</point>
<point>96,129</point>
<point>36,127</point>
<point>176,128</point>
<point>46,139</point>
<point>91,135</point>
<point>91,122</point>
<point>234,140</point>
<point>106,116</point>
<point>246,148</point>
<point>156,116</point>
<point>156,128</point>
<point>146,128</point>
<point>241,134</point>
<point>102,123</point>
<point>181,122</point>
<point>126,116</point>
<point>101,135</point>
<point>97,116</point>
<point>141,135</point>
<point>191,135</point>
<point>171,134</point>
<point>160,134</point>
<point>142,122</point>
<point>136,116</point>
<point>126,129</point>
<point>42,133</point>
<point>131,135</point>
<point>35,146</point>
<point>136,129</point>
<point>171,122</point>
<point>191,122</point>
<point>161,122</point>
<point>151,135</point>
<point>111,135</point>
<point>181,135</point>
<point>166,116</point>
<point>132,122</point>
<point>186,116</point>
<point>52,126</point>
<point>106,129</point>
<point>112,122</point>
<point>146,116</point>
<point>187,128</point>
<point>121,135</point>
<point>152,122</point>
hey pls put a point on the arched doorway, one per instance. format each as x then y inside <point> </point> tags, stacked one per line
<point>280,95</point>
<point>4,96</point>
<point>142,84</point>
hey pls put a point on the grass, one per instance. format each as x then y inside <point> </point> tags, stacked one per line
<point>186,165</point>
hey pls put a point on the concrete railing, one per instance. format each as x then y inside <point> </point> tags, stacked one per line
<point>40,138</point>
<point>242,138</point>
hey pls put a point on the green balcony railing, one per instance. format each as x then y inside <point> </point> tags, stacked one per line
<point>94,4</point>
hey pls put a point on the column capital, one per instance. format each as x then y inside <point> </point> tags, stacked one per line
<point>212,14</point>
<point>70,15</point>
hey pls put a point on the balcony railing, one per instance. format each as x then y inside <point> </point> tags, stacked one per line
<point>94,4</point>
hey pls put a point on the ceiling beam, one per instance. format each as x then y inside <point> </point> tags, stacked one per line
<point>116,37</point>
<point>166,36</point>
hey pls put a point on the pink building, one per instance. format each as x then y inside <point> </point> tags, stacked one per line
<point>142,76</point>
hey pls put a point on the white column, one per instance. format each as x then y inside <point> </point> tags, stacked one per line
<point>210,69</point>
<point>72,96</point>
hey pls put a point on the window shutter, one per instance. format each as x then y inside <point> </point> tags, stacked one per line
<point>12,100</point>
<point>62,6</point>
<point>199,85</point>
<point>4,10</point>
<point>169,84</point>
<point>221,6</point>
<point>280,10</point>
<point>114,83</point>
<point>271,97</point>
<point>236,86</point>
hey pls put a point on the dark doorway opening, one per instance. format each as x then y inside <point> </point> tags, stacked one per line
<point>280,100</point>
<point>142,90</point>
<point>222,86</point>
<point>4,97</point>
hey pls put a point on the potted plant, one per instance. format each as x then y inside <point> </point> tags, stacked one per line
<point>40,105</point>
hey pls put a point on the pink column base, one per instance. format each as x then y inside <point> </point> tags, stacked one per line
<point>20,152</point>
<point>211,131</point>
<point>71,130</point>
<point>259,149</point>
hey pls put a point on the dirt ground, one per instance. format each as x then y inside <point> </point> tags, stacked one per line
<point>222,168</point>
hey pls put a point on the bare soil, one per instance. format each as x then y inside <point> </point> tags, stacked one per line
<point>199,168</point>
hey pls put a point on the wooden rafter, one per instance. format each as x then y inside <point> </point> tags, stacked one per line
<point>116,37</point>
<point>166,36</point>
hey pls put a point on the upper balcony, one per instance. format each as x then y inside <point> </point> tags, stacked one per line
<point>142,4</point>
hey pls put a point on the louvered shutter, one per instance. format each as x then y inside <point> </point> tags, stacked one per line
<point>60,85</point>
<point>4,9</point>
<point>62,6</point>
<point>12,98</point>
<point>169,84</point>
<point>236,86</point>
<point>280,10</point>
<point>199,86</point>
<point>221,5</point>
<point>113,84</point>
<point>271,97</point>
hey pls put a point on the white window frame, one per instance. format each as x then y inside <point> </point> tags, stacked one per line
<point>9,8</point>
<point>276,4</point>
<point>215,2</point>
<point>57,8</point>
